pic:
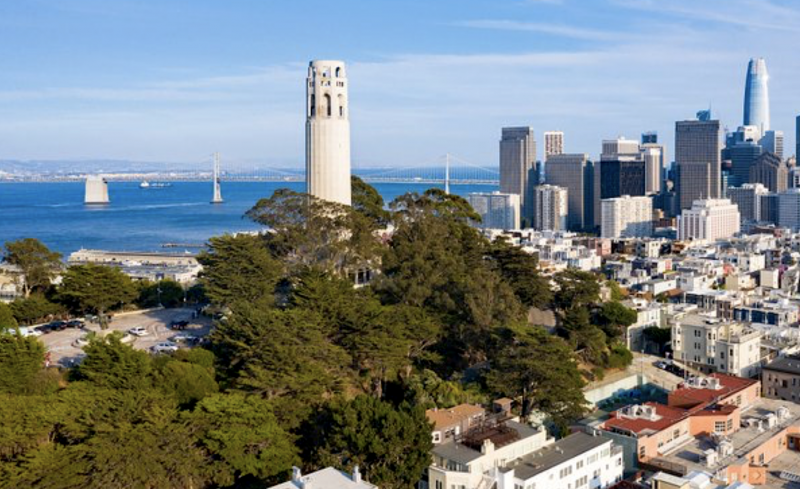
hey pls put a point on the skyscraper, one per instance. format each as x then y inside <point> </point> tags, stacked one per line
<point>624,175</point>
<point>797,138</point>
<point>756,96</point>
<point>613,148</point>
<point>518,164</point>
<point>698,160</point>
<point>551,208</point>
<point>709,219</point>
<point>748,199</point>
<point>553,143</point>
<point>743,156</point>
<point>327,132</point>
<point>773,142</point>
<point>771,172</point>
<point>653,157</point>
<point>569,171</point>
<point>650,137</point>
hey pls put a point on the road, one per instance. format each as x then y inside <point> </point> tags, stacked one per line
<point>63,352</point>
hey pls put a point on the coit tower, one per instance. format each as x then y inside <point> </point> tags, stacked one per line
<point>327,132</point>
<point>756,96</point>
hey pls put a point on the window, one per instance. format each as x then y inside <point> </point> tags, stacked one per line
<point>730,424</point>
<point>328,104</point>
<point>719,426</point>
<point>641,452</point>
<point>579,464</point>
<point>313,104</point>
<point>439,485</point>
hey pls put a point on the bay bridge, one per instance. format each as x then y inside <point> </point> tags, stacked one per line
<point>447,170</point>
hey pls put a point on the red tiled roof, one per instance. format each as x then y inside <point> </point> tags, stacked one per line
<point>667,417</point>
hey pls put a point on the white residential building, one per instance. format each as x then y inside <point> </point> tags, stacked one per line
<point>711,344</point>
<point>550,208</point>
<point>627,217</point>
<point>709,219</point>
<point>578,461</point>
<point>497,210</point>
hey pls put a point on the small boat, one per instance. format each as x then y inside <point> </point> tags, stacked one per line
<point>144,184</point>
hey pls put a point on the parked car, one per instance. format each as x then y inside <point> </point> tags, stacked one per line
<point>188,338</point>
<point>138,331</point>
<point>80,342</point>
<point>25,331</point>
<point>164,347</point>
<point>179,325</point>
<point>661,364</point>
<point>76,323</point>
<point>127,338</point>
<point>57,326</point>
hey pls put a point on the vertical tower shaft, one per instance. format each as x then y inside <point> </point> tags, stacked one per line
<point>756,96</point>
<point>217,198</point>
<point>327,132</point>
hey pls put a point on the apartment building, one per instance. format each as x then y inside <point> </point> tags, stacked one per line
<point>711,344</point>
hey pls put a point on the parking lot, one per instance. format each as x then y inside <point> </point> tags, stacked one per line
<point>63,351</point>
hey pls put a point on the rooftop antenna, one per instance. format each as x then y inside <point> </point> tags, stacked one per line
<point>217,199</point>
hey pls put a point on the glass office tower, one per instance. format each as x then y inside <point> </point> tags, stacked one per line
<point>756,96</point>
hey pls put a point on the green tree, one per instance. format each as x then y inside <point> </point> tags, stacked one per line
<point>239,268</point>
<point>95,289</point>
<point>38,264</point>
<point>21,361</point>
<point>576,288</point>
<point>167,293</point>
<point>243,441</point>
<point>310,232</point>
<point>521,271</point>
<point>35,308</point>
<point>188,382</point>
<point>529,366</point>
<point>7,319</point>
<point>368,201</point>
<point>113,364</point>
<point>616,291</point>
<point>390,445</point>
<point>613,317</point>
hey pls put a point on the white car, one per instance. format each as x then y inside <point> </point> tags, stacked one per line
<point>80,342</point>
<point>138,331</point>
<point>183,337</point>
<point>165,347</point>
<point>34,332</point>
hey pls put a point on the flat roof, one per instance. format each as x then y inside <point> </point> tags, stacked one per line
<point>729,385</point>
<point>789,365</point>
<point>744,441</point>
<point>458,452</point>
<point>555,454</point>
<point>666,417</point>
<point>327,478</point>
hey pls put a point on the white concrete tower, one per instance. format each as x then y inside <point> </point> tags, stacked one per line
<point>327,132</point>
<point>217,197</point>
<point>96,190</point>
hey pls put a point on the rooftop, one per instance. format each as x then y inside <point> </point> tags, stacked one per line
<point>789,365</point>
<point>327,478</point>
<point>662,417</point>
<point>459,452</point>
<point>555,454</point>
<point>744,441</point>
<point>726,386</point>
<point>443,418</point>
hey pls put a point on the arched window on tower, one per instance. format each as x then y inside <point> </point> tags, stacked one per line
<point>341,105</point>
<point>338,71</point>
<point>328,104</point>
<point>313,104</point>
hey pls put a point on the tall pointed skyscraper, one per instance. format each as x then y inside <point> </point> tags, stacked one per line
<point>756,96</point>
<point>327,132</point>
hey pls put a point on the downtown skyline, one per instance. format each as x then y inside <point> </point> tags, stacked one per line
<point>150,82</point>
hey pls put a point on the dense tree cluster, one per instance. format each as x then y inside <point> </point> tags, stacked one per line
<point>303,367</point>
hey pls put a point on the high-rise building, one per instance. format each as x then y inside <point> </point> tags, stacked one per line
<point>789,209</point>
<point>627,217</point>
<point>653,157</point>
<point>553,144</point>
<point>797,138</point>
<point>770,208</point>
<point>327,132</point>
<point>650,137</point>
<point>698,160</point>
<point>773,142</point>
<point>756,95</point>
<point>518,164</point>
<point>771,172</point>
<point>709,219</point>
<point>748,199</point>
<point>497,210</point>
<point>624,175</point>
<point>743,156</point>
<point>571,171</point>
<point>550,208</point>
<point>614,148</point>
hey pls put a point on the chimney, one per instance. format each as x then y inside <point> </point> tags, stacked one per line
<point>296,474</point>
<point>356,475</point>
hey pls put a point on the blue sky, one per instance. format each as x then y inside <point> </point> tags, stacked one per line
<point>174,80</point>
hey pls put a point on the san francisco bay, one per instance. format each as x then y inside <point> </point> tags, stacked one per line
<point>140,219</point>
